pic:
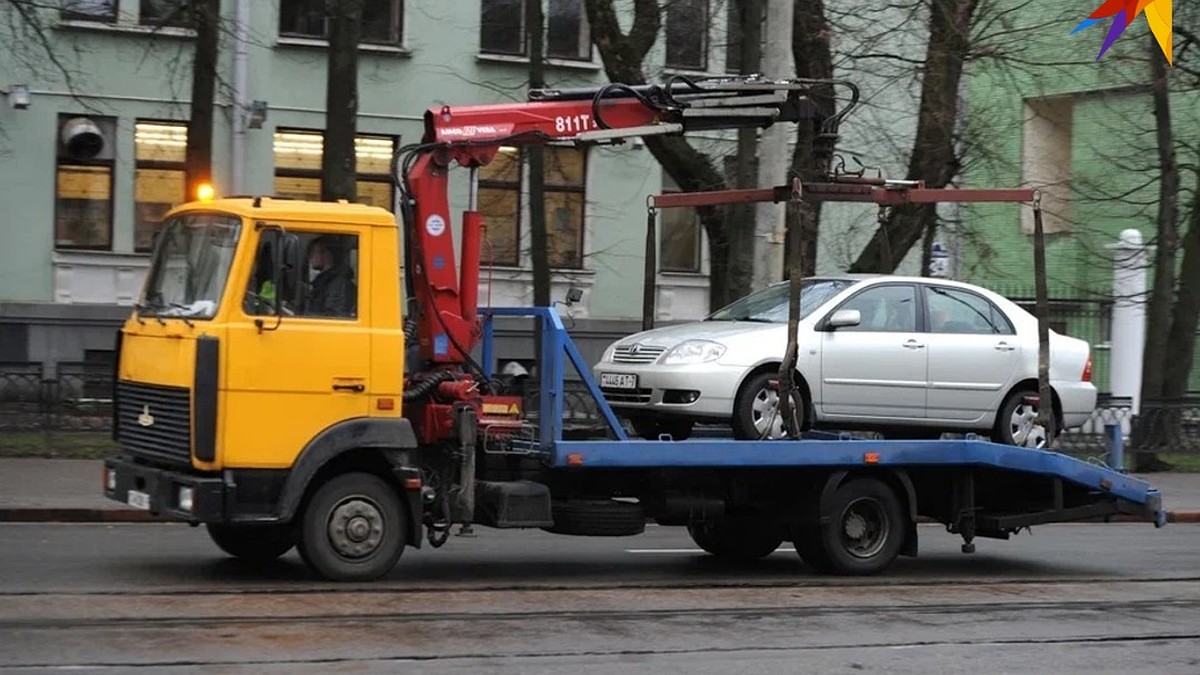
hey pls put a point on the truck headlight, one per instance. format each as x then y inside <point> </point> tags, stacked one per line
<point>694,351</point>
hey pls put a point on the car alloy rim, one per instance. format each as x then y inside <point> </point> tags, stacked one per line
<point>355,527</point>
<point>864,527</point>
<point>765,413</point>
<point>1024,427</point>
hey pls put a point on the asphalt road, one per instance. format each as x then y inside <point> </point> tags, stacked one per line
<point>1113,598</point>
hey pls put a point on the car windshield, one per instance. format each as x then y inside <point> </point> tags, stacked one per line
<point>770,305</point>
<point>191,264</point>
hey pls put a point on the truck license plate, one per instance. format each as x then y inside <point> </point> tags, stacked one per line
<point>618,380</point>
<point>138,500</point>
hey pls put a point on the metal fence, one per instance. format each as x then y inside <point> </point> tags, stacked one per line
<point>42,409</point>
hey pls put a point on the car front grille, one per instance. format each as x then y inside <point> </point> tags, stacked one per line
<point>155,421</point>
<point>637,354</point>
<point>626,395</point>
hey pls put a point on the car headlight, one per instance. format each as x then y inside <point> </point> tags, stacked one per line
<point>694,351</point>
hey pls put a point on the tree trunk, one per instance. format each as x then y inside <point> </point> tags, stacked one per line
<point>1181,341</point>
<point>338,161</point>
<point>1158,314</point>
<point>206,18</point>
<point>810,160</point>
<point>742,217</point>
<point>933,158</point>
<point>537,165</point>
<point>623,56</point>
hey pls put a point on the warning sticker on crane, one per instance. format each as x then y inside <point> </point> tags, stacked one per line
<point>435,225</point>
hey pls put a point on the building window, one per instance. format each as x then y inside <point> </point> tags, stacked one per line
<point>1047,161</point>
<point>502,29</point>
<point>89,10</point>
<point>84,182</point>
<point>500,206</point>
<point>176,13</point>
<point>563,193</point>
<point>687,34</point>
<point>382,21</point>
<point>298,166</point>
<point>159,182</point>
<point>679,235</point>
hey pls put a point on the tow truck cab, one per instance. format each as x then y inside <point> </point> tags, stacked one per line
<point>231,368</point>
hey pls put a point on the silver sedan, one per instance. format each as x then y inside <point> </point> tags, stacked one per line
<point>910,357</point>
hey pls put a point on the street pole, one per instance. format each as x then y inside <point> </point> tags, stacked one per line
<point>773,150</point>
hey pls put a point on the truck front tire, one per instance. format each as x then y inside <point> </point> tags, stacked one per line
<point>353,528</point>
<point>256,543</point>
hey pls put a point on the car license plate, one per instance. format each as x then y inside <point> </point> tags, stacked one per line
<point>618,380</point>
<point>138,500</point>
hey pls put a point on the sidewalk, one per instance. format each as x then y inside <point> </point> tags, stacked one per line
<point>70,490</point>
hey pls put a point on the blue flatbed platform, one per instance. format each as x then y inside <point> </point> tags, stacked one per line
<point>819,450</point>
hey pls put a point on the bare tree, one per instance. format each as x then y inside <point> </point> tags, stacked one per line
<point>933,158</point>
<point>812,50</point>
<point>338,161</point>
<point>206,20</point>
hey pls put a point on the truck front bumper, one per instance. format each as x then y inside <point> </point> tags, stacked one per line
<point>169,493</point>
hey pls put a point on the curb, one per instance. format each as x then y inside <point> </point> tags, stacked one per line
<point>78,515</point>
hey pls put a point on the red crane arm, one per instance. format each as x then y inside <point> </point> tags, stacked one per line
<point>448,327</point>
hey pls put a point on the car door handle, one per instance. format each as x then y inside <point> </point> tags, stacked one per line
<point>1004,347</point>
<point>913,344</point>
<point>357,388</point>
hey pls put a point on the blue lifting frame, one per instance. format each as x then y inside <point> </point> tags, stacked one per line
<point>815,450</point>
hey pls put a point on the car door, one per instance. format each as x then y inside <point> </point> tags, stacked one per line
<point>973,353</point>
<point>307,370</point>
<point>876,369</point>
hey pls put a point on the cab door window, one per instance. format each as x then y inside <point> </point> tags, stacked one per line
<point>327,283</point>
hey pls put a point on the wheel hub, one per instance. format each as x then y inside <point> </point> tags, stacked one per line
<point>865,527</point>
<point>1026,431</point>
<point>355,527</point>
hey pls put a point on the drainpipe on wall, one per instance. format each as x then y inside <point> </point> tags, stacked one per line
<point>240,101</point>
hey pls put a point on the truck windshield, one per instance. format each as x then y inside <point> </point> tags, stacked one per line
<point>191,264</point>
<point>770,305</point>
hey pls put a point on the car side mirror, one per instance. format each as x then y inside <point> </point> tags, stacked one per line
<point>844,318</point>
<point>287,270</point>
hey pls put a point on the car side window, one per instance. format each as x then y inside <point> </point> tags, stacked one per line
<point>890,308</point>
<point>953,310</point>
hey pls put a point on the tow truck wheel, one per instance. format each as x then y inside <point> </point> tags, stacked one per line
<point>353,528</point>
<point>741,539</point>
<point>864,530</point>
<point>256,543</point>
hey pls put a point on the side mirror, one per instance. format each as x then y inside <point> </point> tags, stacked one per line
<point>843,318</point>
<point>287,270</point>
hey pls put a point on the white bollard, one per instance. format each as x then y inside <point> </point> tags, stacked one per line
<point>1130,260</point>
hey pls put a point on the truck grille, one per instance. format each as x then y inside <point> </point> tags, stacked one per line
<point>637,354</point>
<point>169,438</point>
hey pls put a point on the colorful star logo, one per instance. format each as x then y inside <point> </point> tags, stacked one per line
<point>1123,12</point>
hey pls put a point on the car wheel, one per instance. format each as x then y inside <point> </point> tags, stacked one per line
<point>756,413</point>
<point>1016,423</point>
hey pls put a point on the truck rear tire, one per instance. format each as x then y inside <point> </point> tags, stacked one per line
<point>353,529</point>
<point>256,543</point>
<point>739,539</point>
<point>864,531</point>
